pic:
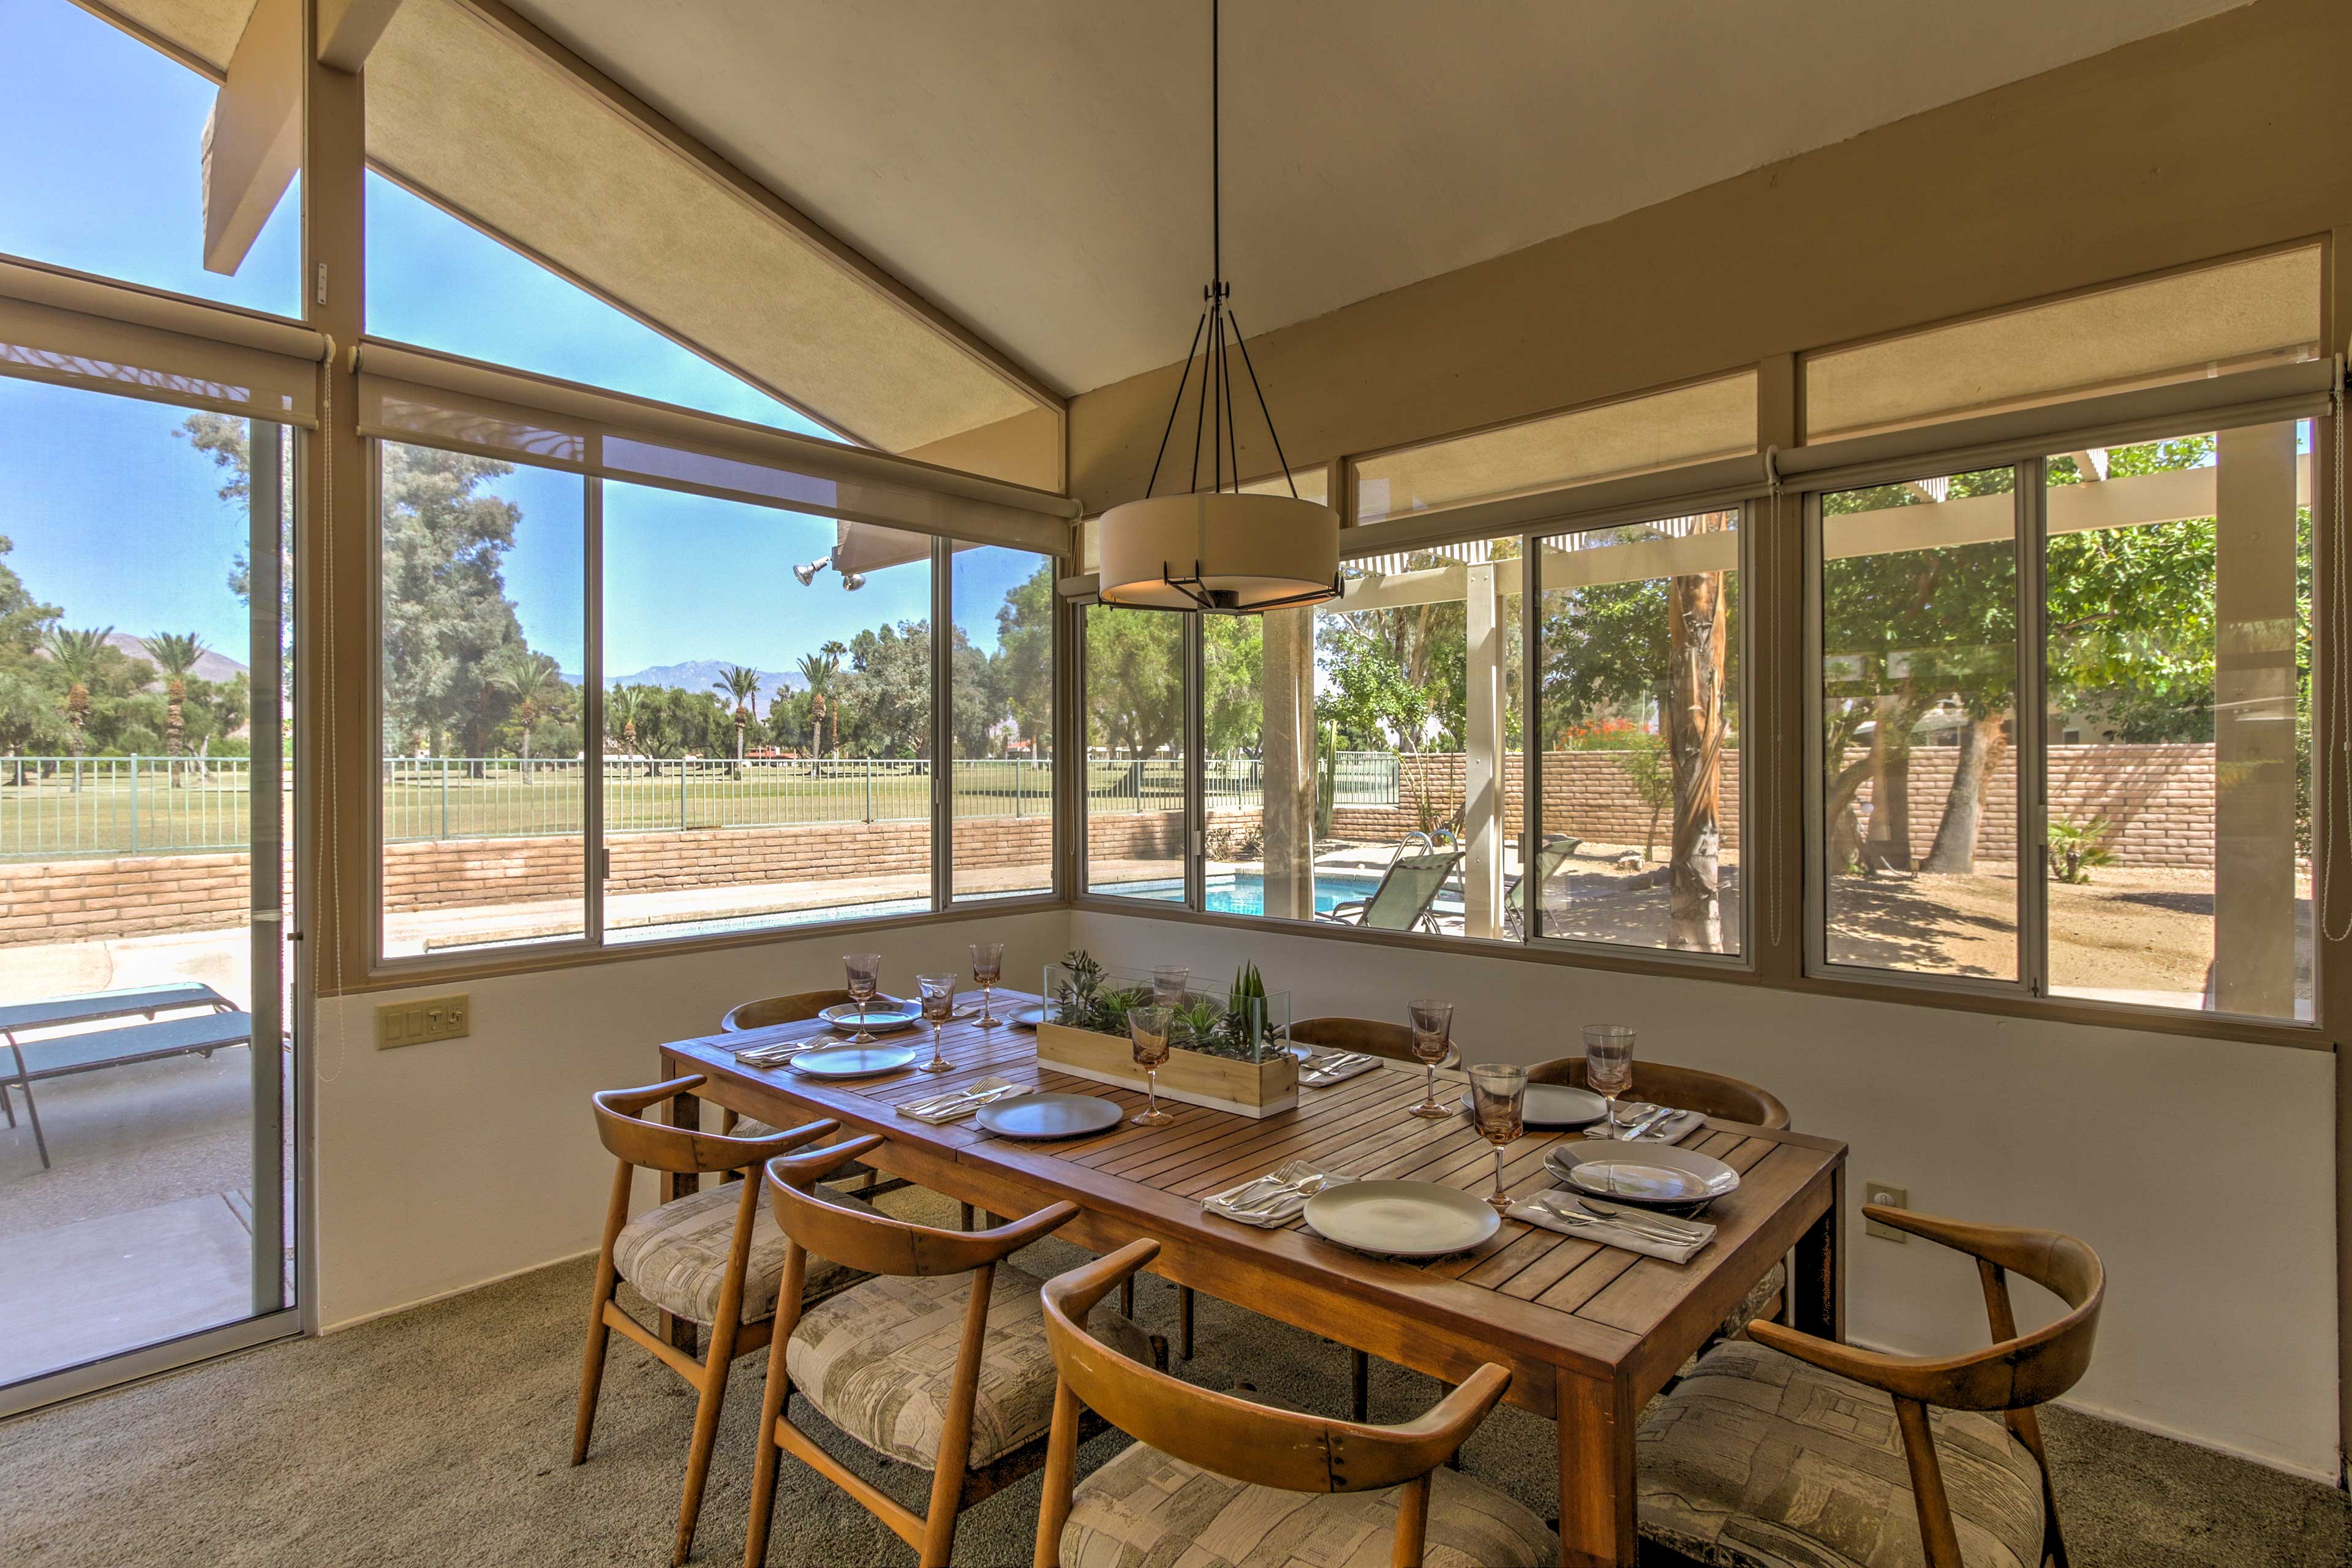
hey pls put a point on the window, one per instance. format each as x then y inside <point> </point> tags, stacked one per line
<point>2177,679</point>
<point>1918,590</point>
<point>104,139</point>
<point>1693,424</point>
<point>1135,695</point>
<point>483,654</point>
<point>2185,327</point>
<point>1639,637</point>
<point>768,739</point>
<point>1003,605</point>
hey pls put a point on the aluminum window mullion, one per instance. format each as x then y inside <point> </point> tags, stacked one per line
<point>1196,809</point>
<point>597,858</point>
<point>1813,859</point>
<point>2031,715</point>
<point>1530,733</point>
<point>942,724</point>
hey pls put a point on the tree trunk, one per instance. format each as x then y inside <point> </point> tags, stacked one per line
<point>1983,745</point>
<point>1888,847</point>
<point>1695,744</point>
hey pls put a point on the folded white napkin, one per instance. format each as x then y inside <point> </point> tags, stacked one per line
<point>1275,1199</point>
<point>955,1106</point>
<point>1321,1069</point>
<point>1556,1210</point>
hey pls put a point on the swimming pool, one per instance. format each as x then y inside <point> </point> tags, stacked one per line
<point>1244,892</point>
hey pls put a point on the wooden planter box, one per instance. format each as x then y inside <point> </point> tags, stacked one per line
<point>1246,1088</point>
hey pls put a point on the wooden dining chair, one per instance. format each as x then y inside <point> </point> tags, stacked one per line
<point>1372,1037</point>
<point>938,1360</point>
<point>711,1258</point>
<point>1775,1453</point>
<point>1214,1477</point>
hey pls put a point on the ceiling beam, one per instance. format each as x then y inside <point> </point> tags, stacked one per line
<point>348,29</point>
<point>667,133</point>
<point>253,139</point>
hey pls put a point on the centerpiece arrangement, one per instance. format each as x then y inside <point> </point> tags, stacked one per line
<point>1229,1052</point>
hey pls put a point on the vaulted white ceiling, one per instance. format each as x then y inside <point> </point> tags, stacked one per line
<point>1039,167</point>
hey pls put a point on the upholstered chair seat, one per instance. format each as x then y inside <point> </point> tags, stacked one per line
<point>753,1127</point>
<point>879,1361</point>
<point>676,1255</point>
<point>1757,1460</point>
<point>1147,1508</point>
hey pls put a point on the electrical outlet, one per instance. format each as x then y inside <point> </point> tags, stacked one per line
<point>1884,1196</point>
<point>415,1022</point>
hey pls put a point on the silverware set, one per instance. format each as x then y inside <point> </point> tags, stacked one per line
<point>961,1099</point>
<point>1269,1193</point>
<point>1656,1119</point>
<point>1650,1226</point>
<point>1321,1064</point>
<point>781,1051</point>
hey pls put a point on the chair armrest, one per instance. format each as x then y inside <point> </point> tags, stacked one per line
<point>1077,1290</point>
<point>759,1150</point>
<point>995,1245</point>
<point>807,1170</point>
<point>634,1101</point>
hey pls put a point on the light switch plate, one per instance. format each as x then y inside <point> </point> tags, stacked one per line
<point>1886,1196</point>
<point>427,1018</point>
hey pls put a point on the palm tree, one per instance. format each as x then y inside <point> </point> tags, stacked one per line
<point>176,653</point>
<point>78,656</point>
<point>742,684</point>
<point>530,679</point>
<point>817,670</point>
<point>621,708</point>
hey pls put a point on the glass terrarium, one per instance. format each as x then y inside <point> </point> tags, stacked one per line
<point>1240,1022</point>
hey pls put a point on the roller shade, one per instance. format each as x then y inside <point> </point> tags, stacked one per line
<point>2216,402</point>
<point>439,400</point>
<point>72,330</point>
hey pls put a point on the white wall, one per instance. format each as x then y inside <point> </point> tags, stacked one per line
<point>2202,1172</point>
<point>442,1166</point>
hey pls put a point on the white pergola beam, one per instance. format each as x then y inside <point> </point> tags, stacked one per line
<point>348,29</point>
<point>253,140</point>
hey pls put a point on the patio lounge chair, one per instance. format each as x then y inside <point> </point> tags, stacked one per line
<point>1554,854</point>
<point>1403,899</point>
<point>151,1041</point>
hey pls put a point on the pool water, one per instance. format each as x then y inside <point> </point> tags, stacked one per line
<point>1244,892</point>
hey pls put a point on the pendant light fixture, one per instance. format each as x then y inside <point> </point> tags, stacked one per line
<point>1218,549</point>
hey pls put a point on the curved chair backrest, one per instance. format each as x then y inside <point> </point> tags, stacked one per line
<point>798,1007</point>
<point>1686,1088</point>
<point>1235,1437</point>
<point>1369,1036</point>
<point>876,1243</point>
<point>684,1151</point>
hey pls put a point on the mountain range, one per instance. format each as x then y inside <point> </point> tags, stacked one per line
<point>702,675</point>
<point>210,665</point>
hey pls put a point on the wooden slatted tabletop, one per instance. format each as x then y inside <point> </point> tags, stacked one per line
<point>1590,1331</point>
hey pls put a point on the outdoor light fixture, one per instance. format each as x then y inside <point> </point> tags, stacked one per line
<point>807,574</point>
<point>852,580</point>
<point>1218,549</point>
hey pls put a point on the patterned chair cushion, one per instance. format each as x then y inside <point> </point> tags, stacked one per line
<point>753,1127</point>
<point>879,1362</point>
<point>676,1256</point>
<point>1146,1509</point>
<point>1759,1460</point>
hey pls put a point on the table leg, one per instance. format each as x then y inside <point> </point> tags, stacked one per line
<point>1817,1284</point>
<point>1597,1523</point>
<point>685,1110</point>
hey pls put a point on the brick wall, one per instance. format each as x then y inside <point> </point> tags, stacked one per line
<point>1586,794</point>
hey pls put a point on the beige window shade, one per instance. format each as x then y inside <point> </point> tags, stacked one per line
<point>2190,326</point>
<point>72,330</point>
<point>1689,425</point>
<point>437,400</point>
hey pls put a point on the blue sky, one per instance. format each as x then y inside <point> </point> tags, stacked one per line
<point>103,135</point>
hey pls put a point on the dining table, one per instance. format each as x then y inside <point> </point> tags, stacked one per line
<point>1590,1332</point>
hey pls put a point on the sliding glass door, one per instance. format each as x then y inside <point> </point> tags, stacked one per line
<point>145,1037</point>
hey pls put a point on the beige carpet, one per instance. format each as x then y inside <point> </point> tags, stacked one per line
<point>439,1437</point>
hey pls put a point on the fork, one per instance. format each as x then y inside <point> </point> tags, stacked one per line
<point>1664,1225</point>
<point>1305,1186</point>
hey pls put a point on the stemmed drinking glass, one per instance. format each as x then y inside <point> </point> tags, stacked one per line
<point>987,965</point>
<point>1147,1027</point>
<point>939,1006</point>
<point>1498,1099</point>
<point>865,977</point>
<point>1608,1067</point>
<point>1433,1038</point>
<point>1170,982</point>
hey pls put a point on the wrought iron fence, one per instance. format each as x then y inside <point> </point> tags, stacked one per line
<point>61,808</point>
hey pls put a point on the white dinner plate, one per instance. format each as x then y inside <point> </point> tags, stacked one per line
<point>1402,1219</point>
<point>1640,1173</point>
<point>884,1015</point>
<point>1049,1116</point>
<point>853,1061</point>
<point>1027,1018</point>
<point>1554,1105</point>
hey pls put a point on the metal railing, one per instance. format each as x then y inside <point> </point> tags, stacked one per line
<point>62,807</point>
